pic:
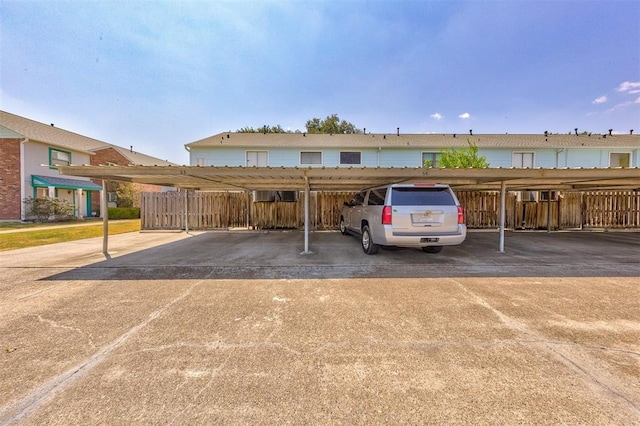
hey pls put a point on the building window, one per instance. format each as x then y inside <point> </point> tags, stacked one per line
<point>112,197</point>
<point>620,159</point>
<point>430,159</point>
<point>288,196</point>
<point>201,162</point>
<point>264,196</point>
<point>311,158</point>
<point>522,160</point>
<point>257,158</point>
<point>347,157</point>
<point>548,195</point>
<point>59,158</point>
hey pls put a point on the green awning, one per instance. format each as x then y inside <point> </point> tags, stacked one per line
<point>58,182</point>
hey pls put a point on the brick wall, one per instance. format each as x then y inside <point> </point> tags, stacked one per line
<point>10,196</point>
<point>110,155</point>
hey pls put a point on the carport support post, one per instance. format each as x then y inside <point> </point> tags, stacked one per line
<point>307,194</point>
<point>105,218</point>
<point>503,196</point>
<point>548,211</point>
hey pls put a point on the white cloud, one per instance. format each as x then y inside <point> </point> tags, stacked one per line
<point>624,105</point>
<point>600,100</point>
<point>465,116</point>
<point>629,86</point>
<point>436,116</point>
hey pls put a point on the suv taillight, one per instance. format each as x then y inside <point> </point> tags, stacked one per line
<point>386,215</point>
<point>460,215</point>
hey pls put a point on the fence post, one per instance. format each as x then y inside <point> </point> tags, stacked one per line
<point>186,211</point>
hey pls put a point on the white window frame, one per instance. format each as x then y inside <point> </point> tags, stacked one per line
<point>312,164</point>
<point>349,152</point>
<point>55,161</point>
<point>435,154</point>
<point>246,158</point>
<point>629,153</point>
<point>522,153</point>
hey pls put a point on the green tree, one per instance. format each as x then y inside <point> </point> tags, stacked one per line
<point>465,158</point>
<point>331,124</point>
<point>127,195</point>
<point>262,129</point>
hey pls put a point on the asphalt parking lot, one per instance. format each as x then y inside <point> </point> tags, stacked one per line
<point>239,327</point>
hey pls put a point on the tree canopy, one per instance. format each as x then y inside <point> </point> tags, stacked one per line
<point>263,129</point>
<point>331,124</point>
<point>464,158</point>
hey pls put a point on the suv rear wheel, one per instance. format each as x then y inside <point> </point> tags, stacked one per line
<point>368,246</point>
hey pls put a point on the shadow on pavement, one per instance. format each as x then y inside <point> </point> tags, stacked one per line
<point>277,255</point>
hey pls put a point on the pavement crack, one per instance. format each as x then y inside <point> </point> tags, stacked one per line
<point>55,324</point>
<point>587,366</point>
<point>45,393</point>
<point>219,345</point>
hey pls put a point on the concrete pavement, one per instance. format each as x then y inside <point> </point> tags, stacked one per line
<point>238,327</point>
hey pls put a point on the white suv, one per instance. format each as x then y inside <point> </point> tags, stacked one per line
<point>422,215</point>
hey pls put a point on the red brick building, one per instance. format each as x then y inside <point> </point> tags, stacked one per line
<point>30,152</point>
<point>122,157</point>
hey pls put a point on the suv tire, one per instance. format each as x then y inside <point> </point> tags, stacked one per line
<point>343,227</point>
<point>368,246</point>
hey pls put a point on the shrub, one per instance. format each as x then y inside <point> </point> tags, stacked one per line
<point>124,213</point>
<point>47,209</point>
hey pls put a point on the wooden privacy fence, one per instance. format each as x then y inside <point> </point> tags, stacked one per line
<point>223,210</point>
<point>612,209</point>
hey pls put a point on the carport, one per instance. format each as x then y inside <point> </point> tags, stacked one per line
<point>356,179</point>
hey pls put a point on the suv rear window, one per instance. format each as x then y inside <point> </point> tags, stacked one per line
<point>421,197</point>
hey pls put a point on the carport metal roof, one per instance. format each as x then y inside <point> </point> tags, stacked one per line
<point>354,179</point>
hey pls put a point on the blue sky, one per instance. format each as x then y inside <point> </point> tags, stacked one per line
<point>159,74</point>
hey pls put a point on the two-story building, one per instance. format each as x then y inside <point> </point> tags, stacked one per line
<point>30,154</point>
<point>413,150</point>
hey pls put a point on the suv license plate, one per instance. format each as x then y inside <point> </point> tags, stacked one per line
<point>429,240</point>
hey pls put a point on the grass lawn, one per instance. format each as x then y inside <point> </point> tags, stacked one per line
<point>60,232</point>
